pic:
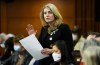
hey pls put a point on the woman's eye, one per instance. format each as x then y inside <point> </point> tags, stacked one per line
<point>50,12</point>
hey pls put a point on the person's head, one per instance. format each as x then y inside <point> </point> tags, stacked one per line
<point>75,29</point>
<point>9,35</point>
<point>91,55</point>
<point>9,43</point>
<point>90,42</point>
<point>59,48</point>
<point>75,33</point>
<point>2,37</point>
<point>50,14</point>
<point>93,35</point>
<point>17,44</point>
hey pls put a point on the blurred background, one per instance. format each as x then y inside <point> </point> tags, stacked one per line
<point>16,14</point>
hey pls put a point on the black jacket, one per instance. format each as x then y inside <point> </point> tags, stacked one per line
<point>63,33</point>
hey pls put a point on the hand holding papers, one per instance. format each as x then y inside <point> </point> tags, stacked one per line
<point>32,45</point>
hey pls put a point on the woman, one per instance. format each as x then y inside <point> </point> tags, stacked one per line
<point>60,53</point>
<point>53,29</point>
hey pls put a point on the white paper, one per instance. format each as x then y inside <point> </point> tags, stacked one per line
<point>32,45</point>
<point>32,61</point>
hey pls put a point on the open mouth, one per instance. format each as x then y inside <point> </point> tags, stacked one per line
<point>47,18</point>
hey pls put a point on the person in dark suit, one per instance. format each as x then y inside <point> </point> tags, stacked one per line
<point>53,29</point>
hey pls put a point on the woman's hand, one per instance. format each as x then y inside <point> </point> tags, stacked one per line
<point>30,29</point>
<point>46,51</point>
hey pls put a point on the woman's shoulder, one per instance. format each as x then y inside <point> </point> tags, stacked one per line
<point>63,25</point>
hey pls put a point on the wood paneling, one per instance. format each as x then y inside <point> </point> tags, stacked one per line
<point>16,15</point>
<point>0,15</point>
<point>19,25</point>
<point>3,17</point>
<point>19,13</point>
<point>84,16</point>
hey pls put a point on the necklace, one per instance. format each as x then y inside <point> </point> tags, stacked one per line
<point>52,33</point>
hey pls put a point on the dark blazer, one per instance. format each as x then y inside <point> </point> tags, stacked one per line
<point>14,58</point>
<point>63,33</point>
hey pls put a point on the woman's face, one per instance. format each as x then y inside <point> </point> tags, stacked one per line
<point>55,49</point>
<point>19,44</point>
<point>48,15</point>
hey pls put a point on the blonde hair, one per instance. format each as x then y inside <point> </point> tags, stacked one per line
<point>56,13</point>
<point>91,55</point>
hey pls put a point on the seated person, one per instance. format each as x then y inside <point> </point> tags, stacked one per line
<point>91,56</point>
<point>60,53</point>
<point>88,43</point>
<point>8,50</point>
<point>93,35</point>
<point>20,55</point>
<point>2,39</point>
<point>80,43</point>
<point>75,36</point>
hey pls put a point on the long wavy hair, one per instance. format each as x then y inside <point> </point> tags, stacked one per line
<point>57,15</point>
